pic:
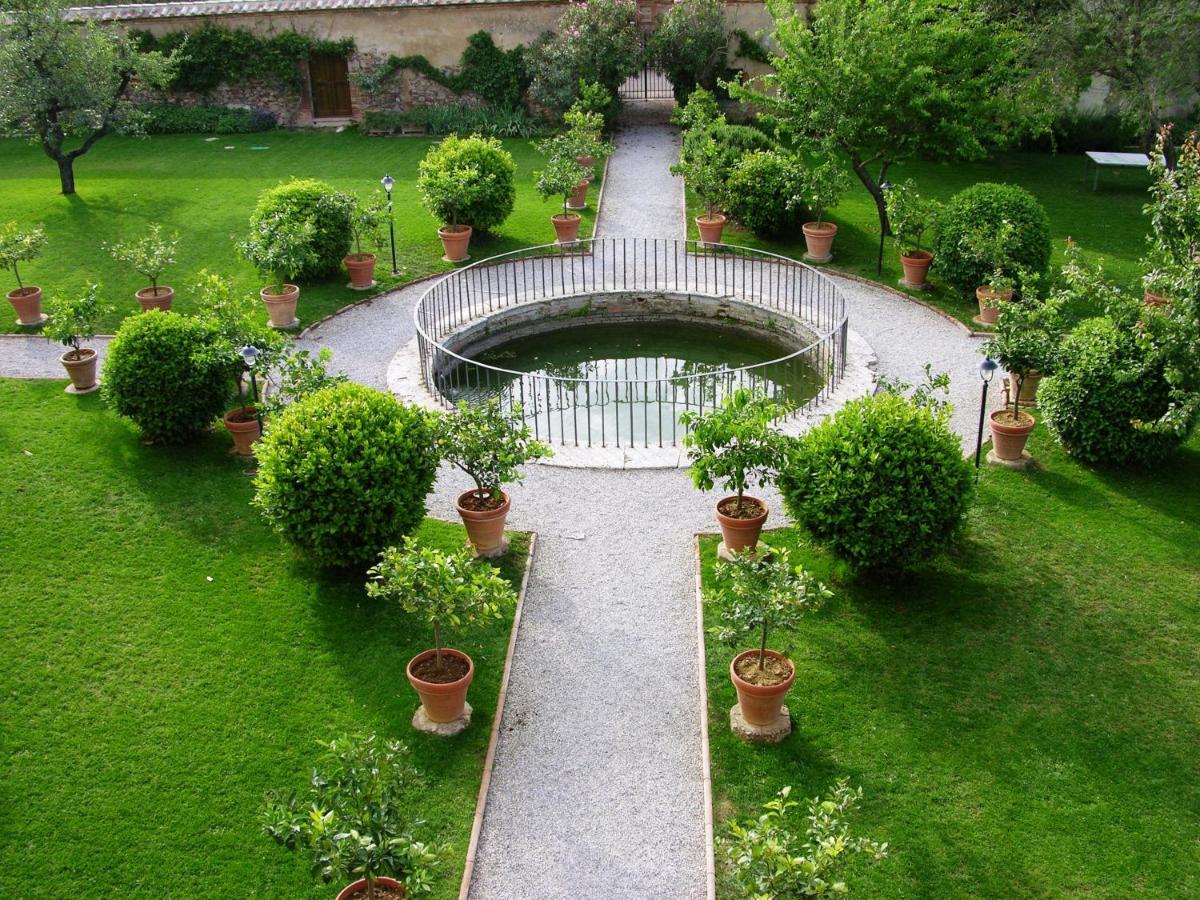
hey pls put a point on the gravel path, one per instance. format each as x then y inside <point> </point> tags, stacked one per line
<point>641,196</point>
<point>33,356</point>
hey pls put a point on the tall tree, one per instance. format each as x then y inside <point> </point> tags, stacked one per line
<point>886,80</point>
<point>66,84</point>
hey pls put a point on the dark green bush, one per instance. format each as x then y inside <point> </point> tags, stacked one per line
<point>457,119</point>
<point>764,191</point>
<point>343,473</point>
<point>1104,383</point>
<point>166,373</point>
<point>308,200</point>
<point>733,142</point>
<point>883,482</point>
<point>171,118</point>
<point>498,76</point>
<point>980,209</point>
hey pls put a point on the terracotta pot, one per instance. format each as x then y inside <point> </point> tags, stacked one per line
<point>81,370</point>
<point>566,227</point>
<point>27,302</point>
<point>485,529</point>
<point>1029,388</point>
<point>281,308</point>
<point>586,161</point>
<point>455,242</point>
<point>1152,299</point>
<point>155,298</point>
<point>741,534</point>
<point>916,268</point>
<point>243,427</point>
<point>1008,440</point>
<point>989,302</point>
<point>359,888</point>
<point>711,228</point>
<point>362,271</point>
<point>442,702</point>
<point>819,239</point>
<point>579,198</point>
<point>760,703</point>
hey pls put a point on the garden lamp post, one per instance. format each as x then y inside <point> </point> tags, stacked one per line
<point>388,183</point>
<point>250,355</point>
<point>883,186</point>
<point>987,369</point>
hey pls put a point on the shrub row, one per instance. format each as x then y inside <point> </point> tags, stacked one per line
<point>456,119</point>
<point>170,118</point>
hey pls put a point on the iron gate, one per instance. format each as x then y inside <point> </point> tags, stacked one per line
<point>648,84</point>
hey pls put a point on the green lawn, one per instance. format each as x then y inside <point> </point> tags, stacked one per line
<point>1023,716</point>
<point>1107,223</point>
<point>167,661</point>
<point>205,192</point>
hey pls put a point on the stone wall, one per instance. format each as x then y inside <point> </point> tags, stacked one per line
<point>284,101</point>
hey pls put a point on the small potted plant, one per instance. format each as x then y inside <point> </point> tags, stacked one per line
<point>279,249</point>
<point>446,191</point>
<point>753,594</point>
<point>491,447</point>
<point>911,215</point>
<point>991,246</point>
<point>71,323</point>
<point>352,820</point>
<point>149,256</point>
<point>366,222</point>
<point>443,589</point>
<point>584,130</point>
<point>559,179</point>
<point>736,445</point>
<point>702,171</point>
<point>16,247</point>
<point>823,187</point>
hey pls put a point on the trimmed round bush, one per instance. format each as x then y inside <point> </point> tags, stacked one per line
<point>495,193</point>
<point>979,210</point>
<point>733,142</point>
<point>164,371</point>
<point>307,200</point>
<point>1103,384</point>
<point>344,472</point>
<point>883,482</point>
<point>763,188</point>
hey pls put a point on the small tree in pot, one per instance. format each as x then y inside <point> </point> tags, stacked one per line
<point>352,820</point>
<point>149,256</point>
<point>823,186</point>
<point>280,247</point>
<point>491,447</point>
<point>991,247</point>
<point>443,589</point>
<point>18,246</point>
<point>446,192</point>
<point>71,323</point>
<point>736,445</point>
<point>702,169</point>
<point>560,178</point>
<point>755,593</point>
<point>366,225</point>
<point>911,215</point>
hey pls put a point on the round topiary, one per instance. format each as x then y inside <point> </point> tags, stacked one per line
<point>164,372</point>
<point>973,216</point>
<point>344,472</point>
<point>1103,384</point>
<point>883,482</point>
<point>733,142</point>
<point>294,203</point>
<point>492,190</point>
<point>764,190</point>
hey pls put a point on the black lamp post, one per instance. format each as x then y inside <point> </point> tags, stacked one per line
<point>250,355</point>
<point>987,369</point>
<point>388,183</point>
<point>884,187</point>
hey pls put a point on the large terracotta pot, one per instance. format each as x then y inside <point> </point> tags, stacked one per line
<point>989,303</point>
<point>281,308</point>
<point>1029,387</point>
<point>579,198</point>
<point>27,302</point>
<point>566,227</point>
<point>1008,438</point>
<point>711,228</point>
<point>819,239</point>
<point>760,704</point>
<point>485,529</point>
<point>455,241</point>
<point>916,268</point>
<point>244,428</point>
<point>361,269</point>
<point>741,534</point>
<point>358,889</point>
<point>81,369</point>
<point>442,702</point>
<point>155,298</point>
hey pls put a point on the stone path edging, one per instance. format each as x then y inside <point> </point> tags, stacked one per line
<point>710,861</point>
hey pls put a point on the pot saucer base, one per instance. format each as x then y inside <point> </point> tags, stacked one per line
<point>760,734</point>
<point>1024,464</point>
<point>422,722</point>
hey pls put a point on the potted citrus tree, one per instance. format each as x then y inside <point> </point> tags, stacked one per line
<point>352,820</point>
<point>911,215</point>
<point>280,247</point>
<point>702,170</point>
<point>582,140</point>
<point>735,444</point>
<point>149,256</point>
<point>754,593</point>
<point>444,590</point>
<point>366,223</point>
<point>560,178</point>
<point>491,447</point>
<point>71,323</point>
<point>991,246</point>
<point>16,247</point>
<point>823,187</point>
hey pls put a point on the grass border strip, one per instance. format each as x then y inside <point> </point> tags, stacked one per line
<point>485,781</point>
<point>600,197</point>
<point>710,863</point>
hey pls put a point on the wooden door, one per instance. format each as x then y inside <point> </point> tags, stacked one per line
<point>330,86</point>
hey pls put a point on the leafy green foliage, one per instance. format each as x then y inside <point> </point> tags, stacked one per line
<point>173,118</point>
<point>732,141</point>
<point>300,374</point>
<point>456,118</point>
<point>469,180</point>
<point>691,45</point>
<point>974,242</point>
<point>18,245</point>
<point>911,215</point>
<point>559,177</point>
<point>749,47</point>
<point>702,169</point>
<point>166,373</point>
<point>344,472</point>
<point>823,186</point>
<point>772,857</point>
<point>734,443</point>
<point>595,42</point>
<point>235,320</point>
<point>488,444</point>
<point>1028,338</point>
<point>74,321</point>
<point>148,256</point>
<point>699,111</point>
<point>353,821</point>
<point>366,221</point>
<point>765,192</point>
<point>300,229</point>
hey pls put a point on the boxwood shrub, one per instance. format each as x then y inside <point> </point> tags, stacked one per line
<point>764,190</point>
<point>980,209</point>
<point>733,142</point>
<point>495,176</point>
<point>166,373</point>
<point>307,200</point>
<point>171,118</point>
<point>883,482</point>
<point>344,472</point>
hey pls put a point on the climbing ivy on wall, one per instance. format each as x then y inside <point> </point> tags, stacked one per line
<point>749,47</point>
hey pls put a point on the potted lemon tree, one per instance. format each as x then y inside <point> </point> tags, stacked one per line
<point>701,169</point>
<point>560,178</point>
<point>823,186</point>
<point>366,224</point>
<point>71,323</point>
<point>279,247</point>
<point>149,256</point>
<point>911,215</point>
<point>18,246</point>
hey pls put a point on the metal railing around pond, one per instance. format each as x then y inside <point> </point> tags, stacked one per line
<point>602,404</point>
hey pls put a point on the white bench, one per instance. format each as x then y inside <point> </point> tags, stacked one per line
<point>1101,158</point>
